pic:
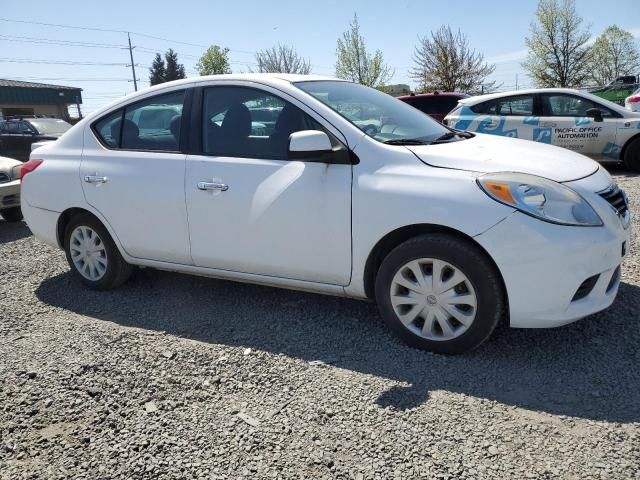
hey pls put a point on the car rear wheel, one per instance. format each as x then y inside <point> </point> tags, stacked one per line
<point>13,214</point>
<point>440,293</point>
<point>631,158</point>
<point>92,255</point>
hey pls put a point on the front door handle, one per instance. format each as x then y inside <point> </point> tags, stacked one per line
<point>95,179</point>
<point>223,187</point>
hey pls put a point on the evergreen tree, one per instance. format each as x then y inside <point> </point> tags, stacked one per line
<point>157,71</point>
<point>174,70</point>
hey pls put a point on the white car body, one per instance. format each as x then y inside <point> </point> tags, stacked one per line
<point>632,102</point>
<point>315,226</point>
<point>561,121</point>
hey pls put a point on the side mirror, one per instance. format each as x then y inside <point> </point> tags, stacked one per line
<point>595,113</point>
<point>310,145</point>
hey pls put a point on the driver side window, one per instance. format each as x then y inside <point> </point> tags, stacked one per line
<point>250,123</point>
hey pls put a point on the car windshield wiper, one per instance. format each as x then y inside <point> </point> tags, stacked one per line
<point>405,141</point>
<point>445,137</point>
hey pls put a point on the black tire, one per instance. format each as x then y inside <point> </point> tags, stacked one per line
<point>631,158</point>
<point>13,214</point>
<point>469,260</point>
<point>117,270</point>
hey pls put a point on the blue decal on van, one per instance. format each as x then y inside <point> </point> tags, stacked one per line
<point>531,120</point>
<point>466,117</point>
<point>612,150</point>
<point>486,126</point>
<point>542,135</point>
<point>582,121</point>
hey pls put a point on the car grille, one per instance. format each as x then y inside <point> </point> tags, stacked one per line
<point>616,198</point>
<point>4,178</point>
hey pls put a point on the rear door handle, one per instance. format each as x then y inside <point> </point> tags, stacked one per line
<point>223,187</point>
<point>95,179</point>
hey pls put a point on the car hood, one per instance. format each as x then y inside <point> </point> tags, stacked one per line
<point>490,153</point>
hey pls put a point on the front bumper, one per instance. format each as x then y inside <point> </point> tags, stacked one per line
<point>10,194</point>
<point>544,265</point>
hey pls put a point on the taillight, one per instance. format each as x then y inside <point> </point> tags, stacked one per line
<point>29,167</point>
<point>633,99</point>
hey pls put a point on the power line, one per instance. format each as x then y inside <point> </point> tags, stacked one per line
<point>51,41</point>
<point>59,62</point>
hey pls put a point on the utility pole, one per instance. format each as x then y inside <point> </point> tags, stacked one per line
<point>133,67</point>
<point>516,81</point>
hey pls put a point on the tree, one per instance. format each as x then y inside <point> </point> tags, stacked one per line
<point>281,59</point>
<point>558,54</point>
<point>355,64</point>
<point>444,61</point>
<point>614,53</point>
<point>174,70</point>
<point>157,71</point>
<point>215,61</point>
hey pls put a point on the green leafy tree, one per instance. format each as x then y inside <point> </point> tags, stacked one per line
<point>444,61</point>
<point>282,59</point>
<point>355,64</point>
<point>558,52</point>
<point>174,70</point>
<point>157,70</point>
<point>614,53</point>
<point>215,61</point>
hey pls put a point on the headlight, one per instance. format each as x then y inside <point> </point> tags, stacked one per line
<point>15,172</point>
<point>541,198</point>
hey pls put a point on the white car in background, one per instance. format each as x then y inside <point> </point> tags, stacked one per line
<point>632,102</point>
<point>571,119</point>
<point>448,231</point>
<point>10,189</point>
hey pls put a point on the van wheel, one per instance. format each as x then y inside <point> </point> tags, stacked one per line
<point>440,293</point>
<point>631,158</point>
<point>13,214</point>
<point>92,255</point>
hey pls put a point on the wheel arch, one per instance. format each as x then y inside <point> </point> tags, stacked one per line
<point>626,145</point>
<point>64,219</point>
<point>394,238</point>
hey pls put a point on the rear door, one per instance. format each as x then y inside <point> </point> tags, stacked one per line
<point>132,172</point>
<point>566,118</point>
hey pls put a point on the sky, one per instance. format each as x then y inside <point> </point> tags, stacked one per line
<point>96,60</point>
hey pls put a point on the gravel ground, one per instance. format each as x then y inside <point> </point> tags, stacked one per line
<point>174,376</point>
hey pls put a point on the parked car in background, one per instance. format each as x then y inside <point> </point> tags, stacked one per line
<point>18,134</point>
<point>436,104</point>
<point>618,89</point>
<point>632,102</point>
<point>567,118</point>
<point>450,232</point>
<point>10,189</point>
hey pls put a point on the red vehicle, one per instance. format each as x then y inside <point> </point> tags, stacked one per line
<point>436,104</point>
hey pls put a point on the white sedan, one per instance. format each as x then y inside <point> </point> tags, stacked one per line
<point>450,232</point>
<point>10,189</point>
<point>571,119</point>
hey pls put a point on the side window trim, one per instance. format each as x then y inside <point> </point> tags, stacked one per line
<point>122,109</point>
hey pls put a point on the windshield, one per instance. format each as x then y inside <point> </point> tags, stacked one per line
<point>50,126</point>
<point>375,113</point>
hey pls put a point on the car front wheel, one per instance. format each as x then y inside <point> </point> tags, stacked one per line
<point>92,254</point>
<point>631,158</point>
<point>440,293</point>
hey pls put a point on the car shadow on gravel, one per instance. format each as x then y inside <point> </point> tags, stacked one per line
<point>12,231</point>
<point>588,369</point>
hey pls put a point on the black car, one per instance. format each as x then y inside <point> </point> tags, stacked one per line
<point>17,134</point>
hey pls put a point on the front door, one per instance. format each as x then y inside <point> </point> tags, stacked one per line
<point>132,172</point>
<point>565,116</point>
<point>251,209</point>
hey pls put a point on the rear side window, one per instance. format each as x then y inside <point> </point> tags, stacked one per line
<point>521,105</point>
<point>150,125</point>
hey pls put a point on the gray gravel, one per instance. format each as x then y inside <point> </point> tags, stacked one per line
<point>174,376</point>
